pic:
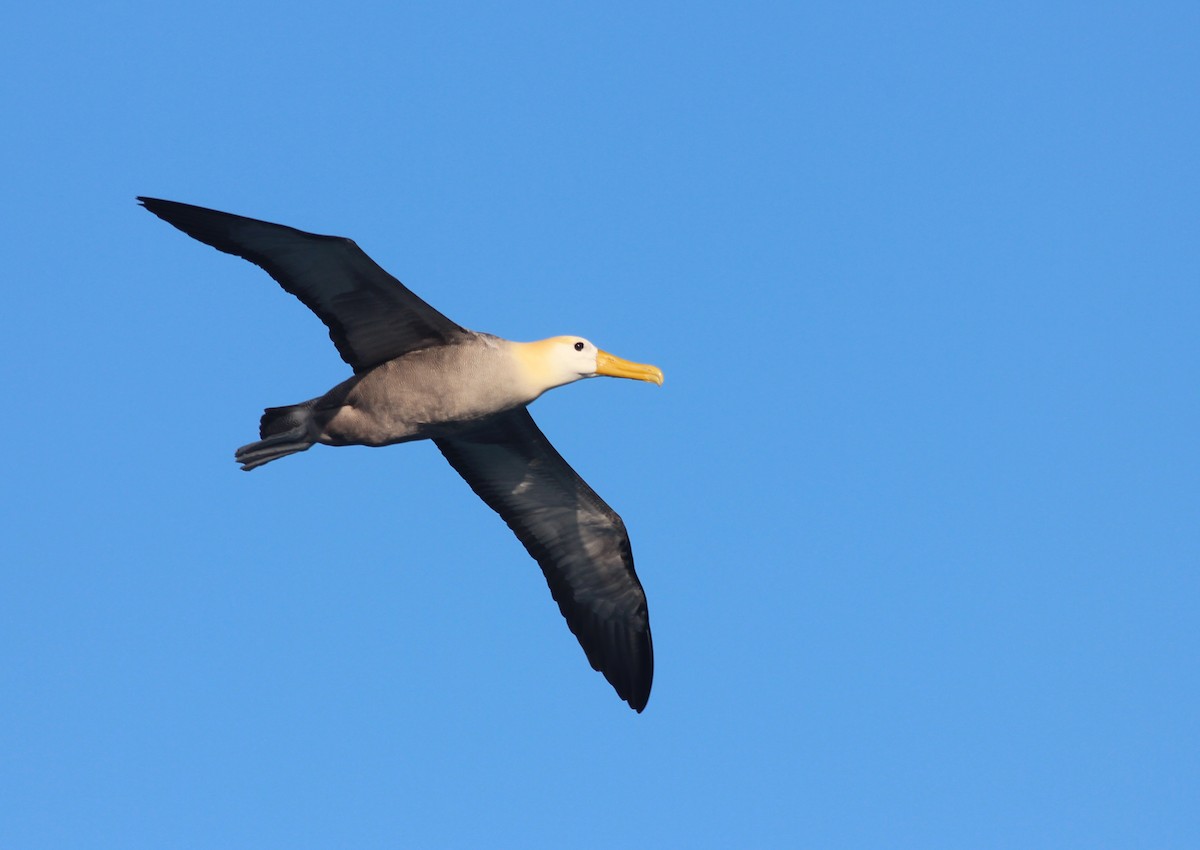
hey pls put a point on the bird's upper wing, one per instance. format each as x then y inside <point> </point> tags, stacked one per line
<point>371,316</point>
<point>578,540</point>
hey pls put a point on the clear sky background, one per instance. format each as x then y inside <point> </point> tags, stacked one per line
<point>916,509</point>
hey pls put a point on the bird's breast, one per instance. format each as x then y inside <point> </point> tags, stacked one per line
<point>414,394</point>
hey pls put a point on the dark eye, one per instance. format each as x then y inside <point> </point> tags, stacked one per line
<point>579,346</point>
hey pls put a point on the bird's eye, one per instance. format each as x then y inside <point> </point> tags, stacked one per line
<point>579,346</point>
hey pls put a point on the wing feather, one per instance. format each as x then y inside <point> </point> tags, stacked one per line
<point>578,540</point>
<point>371,316</point>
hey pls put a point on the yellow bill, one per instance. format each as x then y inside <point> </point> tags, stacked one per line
<point>615,367</point>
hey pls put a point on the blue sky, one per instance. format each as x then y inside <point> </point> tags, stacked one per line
<point>916,509</point>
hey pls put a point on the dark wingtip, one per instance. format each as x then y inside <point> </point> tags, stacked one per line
<point>638,699</point>
<point>155,205</point>
<point>634,686</point>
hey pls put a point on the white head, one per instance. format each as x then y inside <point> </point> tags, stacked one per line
<point>563,359</point>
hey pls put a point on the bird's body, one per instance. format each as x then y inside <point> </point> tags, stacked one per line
<point>409,397</point>
<point>404,399</point>
<point>420,376</point>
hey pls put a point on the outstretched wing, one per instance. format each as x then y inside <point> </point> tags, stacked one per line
<point>371,316</point>
<point>578,540</point>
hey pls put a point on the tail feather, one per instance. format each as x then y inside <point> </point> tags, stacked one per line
<point>276,420</point>
<point>284,431</point>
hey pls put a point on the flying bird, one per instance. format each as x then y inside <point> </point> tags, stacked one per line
<point>417,376</point>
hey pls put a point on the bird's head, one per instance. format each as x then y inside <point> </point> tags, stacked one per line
<point>563,359</point>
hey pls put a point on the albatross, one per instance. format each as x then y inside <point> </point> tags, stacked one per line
<point>418,376</point>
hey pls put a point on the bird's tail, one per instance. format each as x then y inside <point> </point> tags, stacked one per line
<point>284,431</point>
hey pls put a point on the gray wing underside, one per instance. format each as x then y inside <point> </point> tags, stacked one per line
<point>371,316</point>
<point>578,540</point>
